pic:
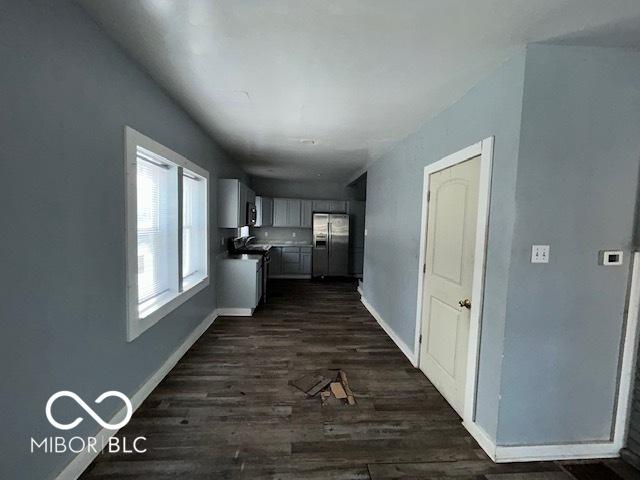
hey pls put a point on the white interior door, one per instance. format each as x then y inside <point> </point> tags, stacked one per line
<point>451,233</point>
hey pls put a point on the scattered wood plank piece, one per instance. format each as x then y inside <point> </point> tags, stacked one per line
<point>306,382</point>
<point>325,395</point>
<point>320,386</point>
<point>338,390</point>
<point>345,384</point>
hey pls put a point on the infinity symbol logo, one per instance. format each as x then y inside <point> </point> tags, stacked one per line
<point>89,410</point>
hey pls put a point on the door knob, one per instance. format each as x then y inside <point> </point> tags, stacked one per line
<point>466,303</point>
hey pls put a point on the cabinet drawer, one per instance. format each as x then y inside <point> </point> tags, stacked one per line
<point>291,257</point>
<point>290,249</point>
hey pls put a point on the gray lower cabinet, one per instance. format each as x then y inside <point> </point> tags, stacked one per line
<point>239,284</point>
<point>275,265</point>
<point>305,260</point>
<point>290,262</point>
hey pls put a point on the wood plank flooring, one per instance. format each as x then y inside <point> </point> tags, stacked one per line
<point>227,411</point>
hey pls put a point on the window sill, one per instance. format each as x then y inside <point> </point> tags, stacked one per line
<point>138,325</point>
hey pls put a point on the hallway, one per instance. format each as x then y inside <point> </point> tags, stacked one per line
<point>226,410</point>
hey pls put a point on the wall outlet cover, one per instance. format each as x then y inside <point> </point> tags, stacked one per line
<point>540,253</point>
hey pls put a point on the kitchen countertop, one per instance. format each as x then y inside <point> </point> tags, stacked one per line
<point>244,257</point>
<point>285,244</point>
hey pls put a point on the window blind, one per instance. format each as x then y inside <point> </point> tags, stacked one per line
<point>154,235</point>
<point>194,211</point>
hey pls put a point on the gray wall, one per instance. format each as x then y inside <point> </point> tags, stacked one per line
<point>66,93</point>
<point>566,164</point>
<point>576,190</point>
<point>394,196</point>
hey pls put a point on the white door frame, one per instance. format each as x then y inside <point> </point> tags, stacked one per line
<point>484,149</point>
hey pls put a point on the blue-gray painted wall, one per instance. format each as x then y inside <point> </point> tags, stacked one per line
<point>565,174</point>
<point>576,189</point>
<point>394,196</point>
<point>66,93</point>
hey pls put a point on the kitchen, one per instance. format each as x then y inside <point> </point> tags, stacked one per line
<point>280,237</point>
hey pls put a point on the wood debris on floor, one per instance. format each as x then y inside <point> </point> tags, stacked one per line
<point>329,383</point>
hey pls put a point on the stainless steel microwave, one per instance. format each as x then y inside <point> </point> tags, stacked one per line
<point>252,214</point>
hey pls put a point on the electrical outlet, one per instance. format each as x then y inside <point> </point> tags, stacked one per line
<point>293,234</point>
<point>540,254</point>
<point>266,234</point>
<point>222,241</point>
<point>365,232</point>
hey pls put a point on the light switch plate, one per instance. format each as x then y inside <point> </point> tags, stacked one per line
<point>540,254</point>
<point>365,232</point>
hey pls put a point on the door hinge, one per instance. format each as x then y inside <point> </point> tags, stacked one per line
<point>424,268</point>
<point>428,195</point>
<point>420,339</point>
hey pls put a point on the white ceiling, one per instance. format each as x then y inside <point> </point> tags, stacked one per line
<point>316,89</point>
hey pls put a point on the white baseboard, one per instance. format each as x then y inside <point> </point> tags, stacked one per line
<point>292,276</point>
<point>359,289</point>
<point>80,463</point>
<point>483,439</point>
<point>385,326</point>
<point>234,312</point>
<point>540,453</point>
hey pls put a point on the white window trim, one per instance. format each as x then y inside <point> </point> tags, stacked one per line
<point>135,324</point>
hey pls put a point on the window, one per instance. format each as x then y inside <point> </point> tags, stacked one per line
<point>167,231</point>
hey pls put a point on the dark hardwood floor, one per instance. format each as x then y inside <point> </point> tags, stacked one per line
<point>227,411</point>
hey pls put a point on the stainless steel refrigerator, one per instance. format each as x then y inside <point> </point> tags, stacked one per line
<point>330,244</point>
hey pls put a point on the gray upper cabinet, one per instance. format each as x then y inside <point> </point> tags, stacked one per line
<point>323,206</point>
<point>233,196</point>
<point>297,213</point>
<point>264,207</point>
<point>306,216</point>
<point>339,206</point>
<point>293,212</point>
<point>330,206</point>
<point>280,209</point>
<point>287,212</point>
